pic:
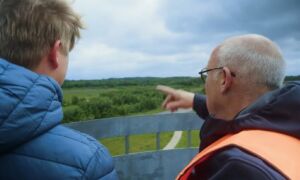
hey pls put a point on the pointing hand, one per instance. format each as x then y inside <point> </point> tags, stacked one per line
<point>176,98</point>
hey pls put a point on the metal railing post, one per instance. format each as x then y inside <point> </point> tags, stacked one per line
<point>127,146</point>
<point>158,141</point>
<point>189,136</point>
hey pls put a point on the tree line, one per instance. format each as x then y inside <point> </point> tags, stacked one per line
<point>115,102</point>
<point>121,97</point>
<point>117,96</point>
<point>134,81</point>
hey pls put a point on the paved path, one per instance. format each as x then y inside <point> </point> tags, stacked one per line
<point>177,134</point>
<point>174,140</point>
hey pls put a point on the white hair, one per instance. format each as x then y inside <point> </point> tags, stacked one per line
<point>253,58</point>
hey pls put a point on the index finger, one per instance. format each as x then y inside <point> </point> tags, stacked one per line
<point>166,89</point>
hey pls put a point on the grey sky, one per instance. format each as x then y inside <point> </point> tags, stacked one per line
<point>126,38</point>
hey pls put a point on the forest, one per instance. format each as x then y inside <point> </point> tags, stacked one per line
<point>95,99</point>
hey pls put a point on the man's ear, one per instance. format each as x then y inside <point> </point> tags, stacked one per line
<point>226,81</point>
<point>54,54</point>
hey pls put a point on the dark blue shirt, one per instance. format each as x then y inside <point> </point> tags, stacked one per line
<point>276,110</point>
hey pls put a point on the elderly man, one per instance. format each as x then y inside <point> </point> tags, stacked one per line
<point>252,126</point>
<point>35,39</point>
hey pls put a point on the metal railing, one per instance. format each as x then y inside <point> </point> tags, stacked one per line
<point>159,164</point>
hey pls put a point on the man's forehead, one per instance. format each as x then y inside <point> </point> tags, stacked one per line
<point>213,58</point>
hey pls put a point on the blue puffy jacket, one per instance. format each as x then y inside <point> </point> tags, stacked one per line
<point>33,144</point>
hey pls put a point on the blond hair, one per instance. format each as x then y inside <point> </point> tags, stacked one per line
<point>29,28</point>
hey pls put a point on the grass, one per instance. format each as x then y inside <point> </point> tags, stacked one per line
<point>151,112</point>
<point>138,143</point>
<point>147,142</point>
<point>95,91</point>
<point>195,141</point>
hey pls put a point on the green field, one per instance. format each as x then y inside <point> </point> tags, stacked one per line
<point>85,100</point>
<point>147,142</point>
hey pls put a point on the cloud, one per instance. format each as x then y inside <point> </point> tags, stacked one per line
<point>174,38</point>
<point>274,18</point>
<point>129,24</point>
<point>96,61</point>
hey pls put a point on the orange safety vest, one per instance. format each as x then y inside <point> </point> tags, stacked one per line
<point>279,150</point>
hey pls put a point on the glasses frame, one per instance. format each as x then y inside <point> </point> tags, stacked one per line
<point>205,70</point>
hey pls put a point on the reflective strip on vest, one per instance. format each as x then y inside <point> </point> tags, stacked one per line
<point>279,150</point>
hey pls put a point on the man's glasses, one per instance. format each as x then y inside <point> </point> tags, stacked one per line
<point>203,73</point>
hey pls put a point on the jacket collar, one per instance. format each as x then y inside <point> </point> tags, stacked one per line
<point>30,105</point>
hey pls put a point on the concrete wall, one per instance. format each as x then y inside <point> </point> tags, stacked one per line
<point>158,165</point>
<point>145,165</point>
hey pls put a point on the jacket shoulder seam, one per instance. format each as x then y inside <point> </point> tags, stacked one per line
<point>74,139</point>
<point>21,100</point>
<point>44,115</point>
<point>44,159</point>
<point>5,69</point>
<point>90,160</point>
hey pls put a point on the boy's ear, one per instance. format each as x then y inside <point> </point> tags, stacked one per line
<point>226,80</point>
<point>54,54</point>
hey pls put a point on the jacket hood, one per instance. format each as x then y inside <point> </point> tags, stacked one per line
<point>276,110</point>
<point>30,105</point>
